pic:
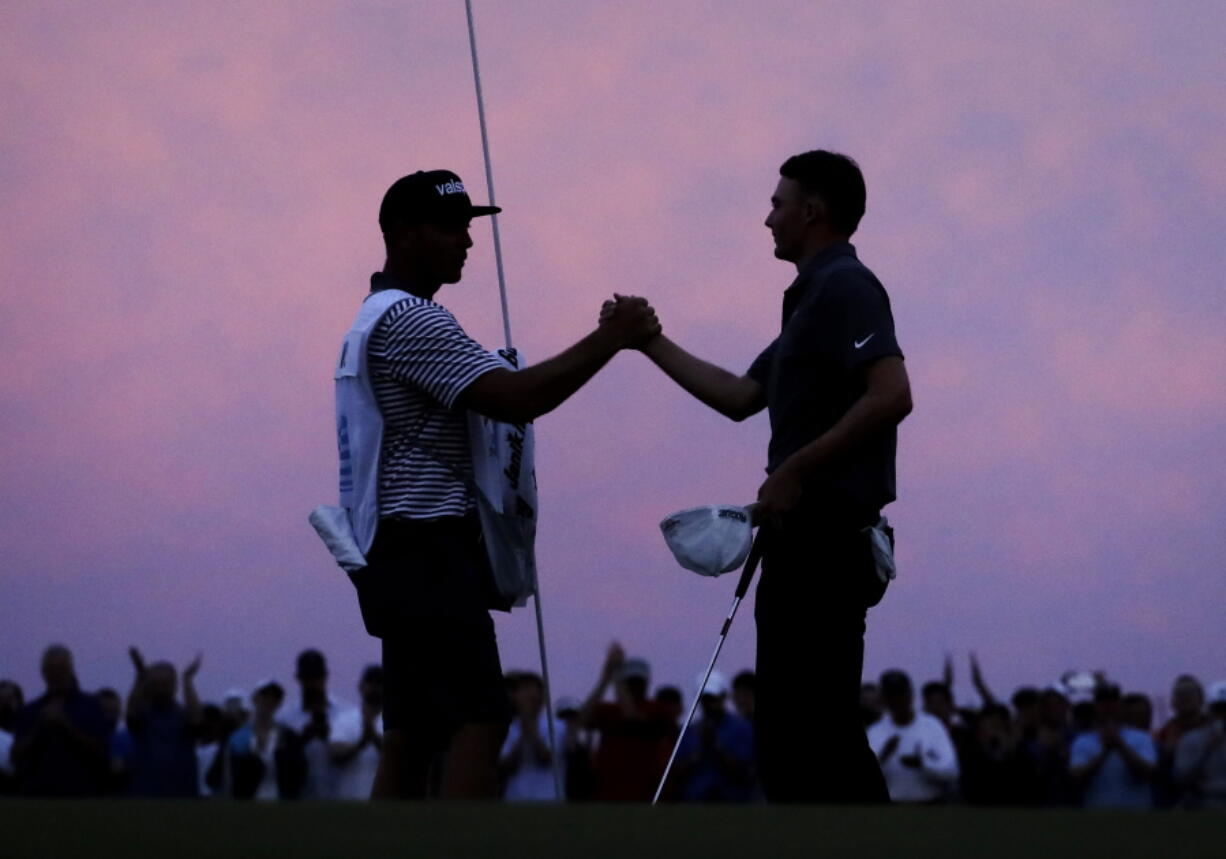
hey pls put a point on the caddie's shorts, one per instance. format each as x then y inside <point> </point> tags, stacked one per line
<point>427,592</point>
<point>441,674</point>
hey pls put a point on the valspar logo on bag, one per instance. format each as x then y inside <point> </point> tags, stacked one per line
<point>450,187</point>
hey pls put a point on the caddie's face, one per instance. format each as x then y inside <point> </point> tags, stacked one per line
<point>790,215</point>
<point>442,249</point>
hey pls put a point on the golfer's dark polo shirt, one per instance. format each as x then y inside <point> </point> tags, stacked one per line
<point>836,319</point>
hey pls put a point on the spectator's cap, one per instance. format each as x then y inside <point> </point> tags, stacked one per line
<point>311,665</point>
<point>1078,686</point>
<point>567,706</point>
<point>709,540</point>
<point>429,196</point>
<point>1216,693</point>
<point>268,685</point>
<point>635,666</point>
<point>372,673</point>
<point>895,682</point>
<point>233,695</point>
<point>716,685</point>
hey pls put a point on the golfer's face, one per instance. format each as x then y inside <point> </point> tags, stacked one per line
<point>786,220</point>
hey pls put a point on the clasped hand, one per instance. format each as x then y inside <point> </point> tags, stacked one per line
<point>630,320</point>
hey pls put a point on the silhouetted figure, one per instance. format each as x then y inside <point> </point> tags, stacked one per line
<point>60,741</point>
<point>527,756</point>
<point>11,702</point>
<point>1188,714</point>
<point>916,754</point>
<point>311,719</point>
<point>634,730</point>
<point>871,707</point>
<point>993,770</point>
<point>356,743</point>
<point>1113,764</point>
<point>745,695</point>
<point>669,698</point>
<point>164,732</point>
<point>121,741</point>
<point>580,767</point>
<point>263,761</point>
<point>1200,757</point>
<point>715,762</point>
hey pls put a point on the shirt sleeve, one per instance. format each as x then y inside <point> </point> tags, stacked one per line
<point>512,739</point>
<point>1085,747</point>
<point>347,728</point>
<point>860,318</point>
<point>1143,746</point>
<point>938,757</point>
<point>1189,755</point>
<point>760,369</point>
<point>422,344</point>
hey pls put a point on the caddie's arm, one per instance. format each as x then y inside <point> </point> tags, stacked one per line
<point>885,402</point>
<point>523,396</point>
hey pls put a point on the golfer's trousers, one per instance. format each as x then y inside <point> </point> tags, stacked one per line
<point>811,604</point>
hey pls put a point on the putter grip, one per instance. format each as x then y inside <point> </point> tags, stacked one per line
<point>751,564</point>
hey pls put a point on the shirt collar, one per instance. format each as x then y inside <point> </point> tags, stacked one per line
<point>805,277</point>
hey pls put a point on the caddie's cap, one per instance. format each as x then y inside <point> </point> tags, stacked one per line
<point>428,196</point>
<point>709,540</point>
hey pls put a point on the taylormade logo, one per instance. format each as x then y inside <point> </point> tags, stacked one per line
<point>451,187</point>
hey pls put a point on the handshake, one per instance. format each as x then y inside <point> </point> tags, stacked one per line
<point>629,321</point>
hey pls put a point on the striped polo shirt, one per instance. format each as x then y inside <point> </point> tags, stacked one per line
<point>420,362</point>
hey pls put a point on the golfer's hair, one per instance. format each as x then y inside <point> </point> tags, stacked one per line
<point>836,179</point>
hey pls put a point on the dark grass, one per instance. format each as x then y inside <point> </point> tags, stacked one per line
<point>180,830</point>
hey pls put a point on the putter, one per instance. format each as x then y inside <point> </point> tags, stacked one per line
<point>742,588</point>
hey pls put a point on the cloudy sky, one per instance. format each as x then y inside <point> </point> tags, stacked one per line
<point>188,199</point>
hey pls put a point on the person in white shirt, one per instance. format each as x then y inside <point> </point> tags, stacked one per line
<point>250,770</point>
<point>312,720</point>
<point>356,742</point>
<point>527,757</point>
<point>916,755</point>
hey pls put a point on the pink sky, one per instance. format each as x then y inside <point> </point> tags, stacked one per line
<point>189,219</point>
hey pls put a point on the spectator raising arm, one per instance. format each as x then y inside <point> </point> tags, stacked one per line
<point>191,700</point>
<point>985,694</point>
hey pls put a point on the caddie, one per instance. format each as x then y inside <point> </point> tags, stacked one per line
<point>408,381</point>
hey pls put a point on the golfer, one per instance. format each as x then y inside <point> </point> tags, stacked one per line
<point>427,588</point>
<point>835,387</point>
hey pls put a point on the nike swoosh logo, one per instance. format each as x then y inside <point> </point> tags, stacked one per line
<point>859,344</point>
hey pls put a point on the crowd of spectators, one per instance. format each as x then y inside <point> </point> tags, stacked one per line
<point>1078,742</point>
